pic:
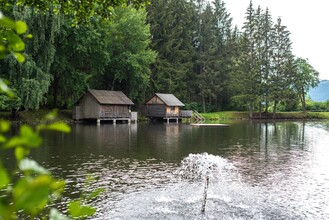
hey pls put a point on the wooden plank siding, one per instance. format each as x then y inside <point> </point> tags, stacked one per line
<point>114,111</point>
<point>165,106</point>
<point>89,107</point>
<point>103,105</point>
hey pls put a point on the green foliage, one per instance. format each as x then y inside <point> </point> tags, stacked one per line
<point>30,189</point>
<point>12,43</point>
<point>316,106</point>
<point>81,10</point>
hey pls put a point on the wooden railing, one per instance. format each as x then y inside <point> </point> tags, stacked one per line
<point>114,114</point>
<point>198,118</point>
<point>186,113</point>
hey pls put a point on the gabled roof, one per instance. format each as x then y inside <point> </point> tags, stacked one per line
<point>110,97</point>
<point>169,99</point>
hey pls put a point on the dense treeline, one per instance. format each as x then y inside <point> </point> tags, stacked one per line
<point>186,47</point>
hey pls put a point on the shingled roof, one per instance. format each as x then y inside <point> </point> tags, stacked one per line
<point>169,99</point>
<point>110,97</point>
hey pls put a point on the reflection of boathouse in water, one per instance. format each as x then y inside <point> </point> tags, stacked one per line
<point>104,105</point>
<point>166,106</point>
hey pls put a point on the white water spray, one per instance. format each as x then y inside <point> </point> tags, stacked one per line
<point>203,167</point>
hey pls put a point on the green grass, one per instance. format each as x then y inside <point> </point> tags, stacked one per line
<point>233,115</point>
<point>36,116</point>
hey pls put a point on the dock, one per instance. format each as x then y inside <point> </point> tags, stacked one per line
<point>211,125</point>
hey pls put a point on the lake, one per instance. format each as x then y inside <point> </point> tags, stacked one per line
<point>278,170</point>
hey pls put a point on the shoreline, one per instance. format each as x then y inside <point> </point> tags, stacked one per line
<point>36,116</point>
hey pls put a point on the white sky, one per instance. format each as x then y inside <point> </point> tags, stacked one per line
<point>306,20</point>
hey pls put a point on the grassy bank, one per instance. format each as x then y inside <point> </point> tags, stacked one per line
<point>232,115</point>
<point>36,116</point>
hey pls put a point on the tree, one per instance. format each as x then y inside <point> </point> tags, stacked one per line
<point>82,10</point>
<point>32,78</point>
<point>207,73</point>
<point>266,30</point>
<point>249,60</point>
<point>130,56</point>
<point>281,77</point>
<point>172,26</point>
<point>226,49</point>
<point>305,77</point>
<point>78,60</point>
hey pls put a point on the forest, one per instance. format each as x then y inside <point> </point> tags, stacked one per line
<point>189,48</point>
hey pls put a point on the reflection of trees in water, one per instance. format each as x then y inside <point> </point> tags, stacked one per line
<point>275,149</point>
<point>162,140</point>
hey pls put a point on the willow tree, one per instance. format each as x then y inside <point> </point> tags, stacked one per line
<point>32,78</point>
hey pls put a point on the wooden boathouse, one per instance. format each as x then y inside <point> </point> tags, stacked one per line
<point>167,107</point>
<point>104,105</point>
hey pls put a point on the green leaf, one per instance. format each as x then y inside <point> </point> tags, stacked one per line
<point>19,57</point>
<point>15,42</point>
<point>31,194</point>
<point>31,165</point>
<point>4,88</point>
<point>6,22</point>
<point>29,36</point>
<point>56,215</point>
<point>59,126</point>
<point>95,193</point>
<point>4,126</point>
<point>51,115</point>
<point>76,209</point>
<point>20,153</point>
<point>27,138</point>
<point>21,27</point>
<point>4,178</point>
<point>2,139</point>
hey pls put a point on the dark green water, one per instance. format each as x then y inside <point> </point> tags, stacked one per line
<point>283,169</point>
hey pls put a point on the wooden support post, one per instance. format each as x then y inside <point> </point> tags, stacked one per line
<point>114,121</point>
<point>98,122</point>
<point>129,121</point>
<point>177,120</point>
<point>167,120</point>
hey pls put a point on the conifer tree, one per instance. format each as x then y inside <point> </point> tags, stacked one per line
<point>172,29</point>
<point>281,76</point>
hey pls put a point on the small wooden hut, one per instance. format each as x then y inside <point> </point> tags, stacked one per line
<point>103,105</point>
<point>166,106</point>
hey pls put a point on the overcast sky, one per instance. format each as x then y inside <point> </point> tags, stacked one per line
<point>307,21</point>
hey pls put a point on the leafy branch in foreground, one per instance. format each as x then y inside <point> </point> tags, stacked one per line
<point>29,190</point>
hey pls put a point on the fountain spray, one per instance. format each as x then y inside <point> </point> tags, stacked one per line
<point>202,167</point>
<point>205,194</point>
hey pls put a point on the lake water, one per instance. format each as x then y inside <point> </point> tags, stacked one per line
<point>278,170</point>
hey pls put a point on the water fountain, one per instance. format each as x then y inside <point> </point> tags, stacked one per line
<point>204,186</point>
<point>203,167</point>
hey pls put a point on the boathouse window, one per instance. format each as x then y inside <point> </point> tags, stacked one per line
<point>172,108</point>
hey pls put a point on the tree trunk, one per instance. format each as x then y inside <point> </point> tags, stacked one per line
<point>250,111</point>
<point>260,109</point>
<point>204,103</point>
<point>55,90</point>
<point>14,113</point>
<point>304,103</point>
<point>274,108</point>
<point>266,105</point>
<point>112,86</point>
